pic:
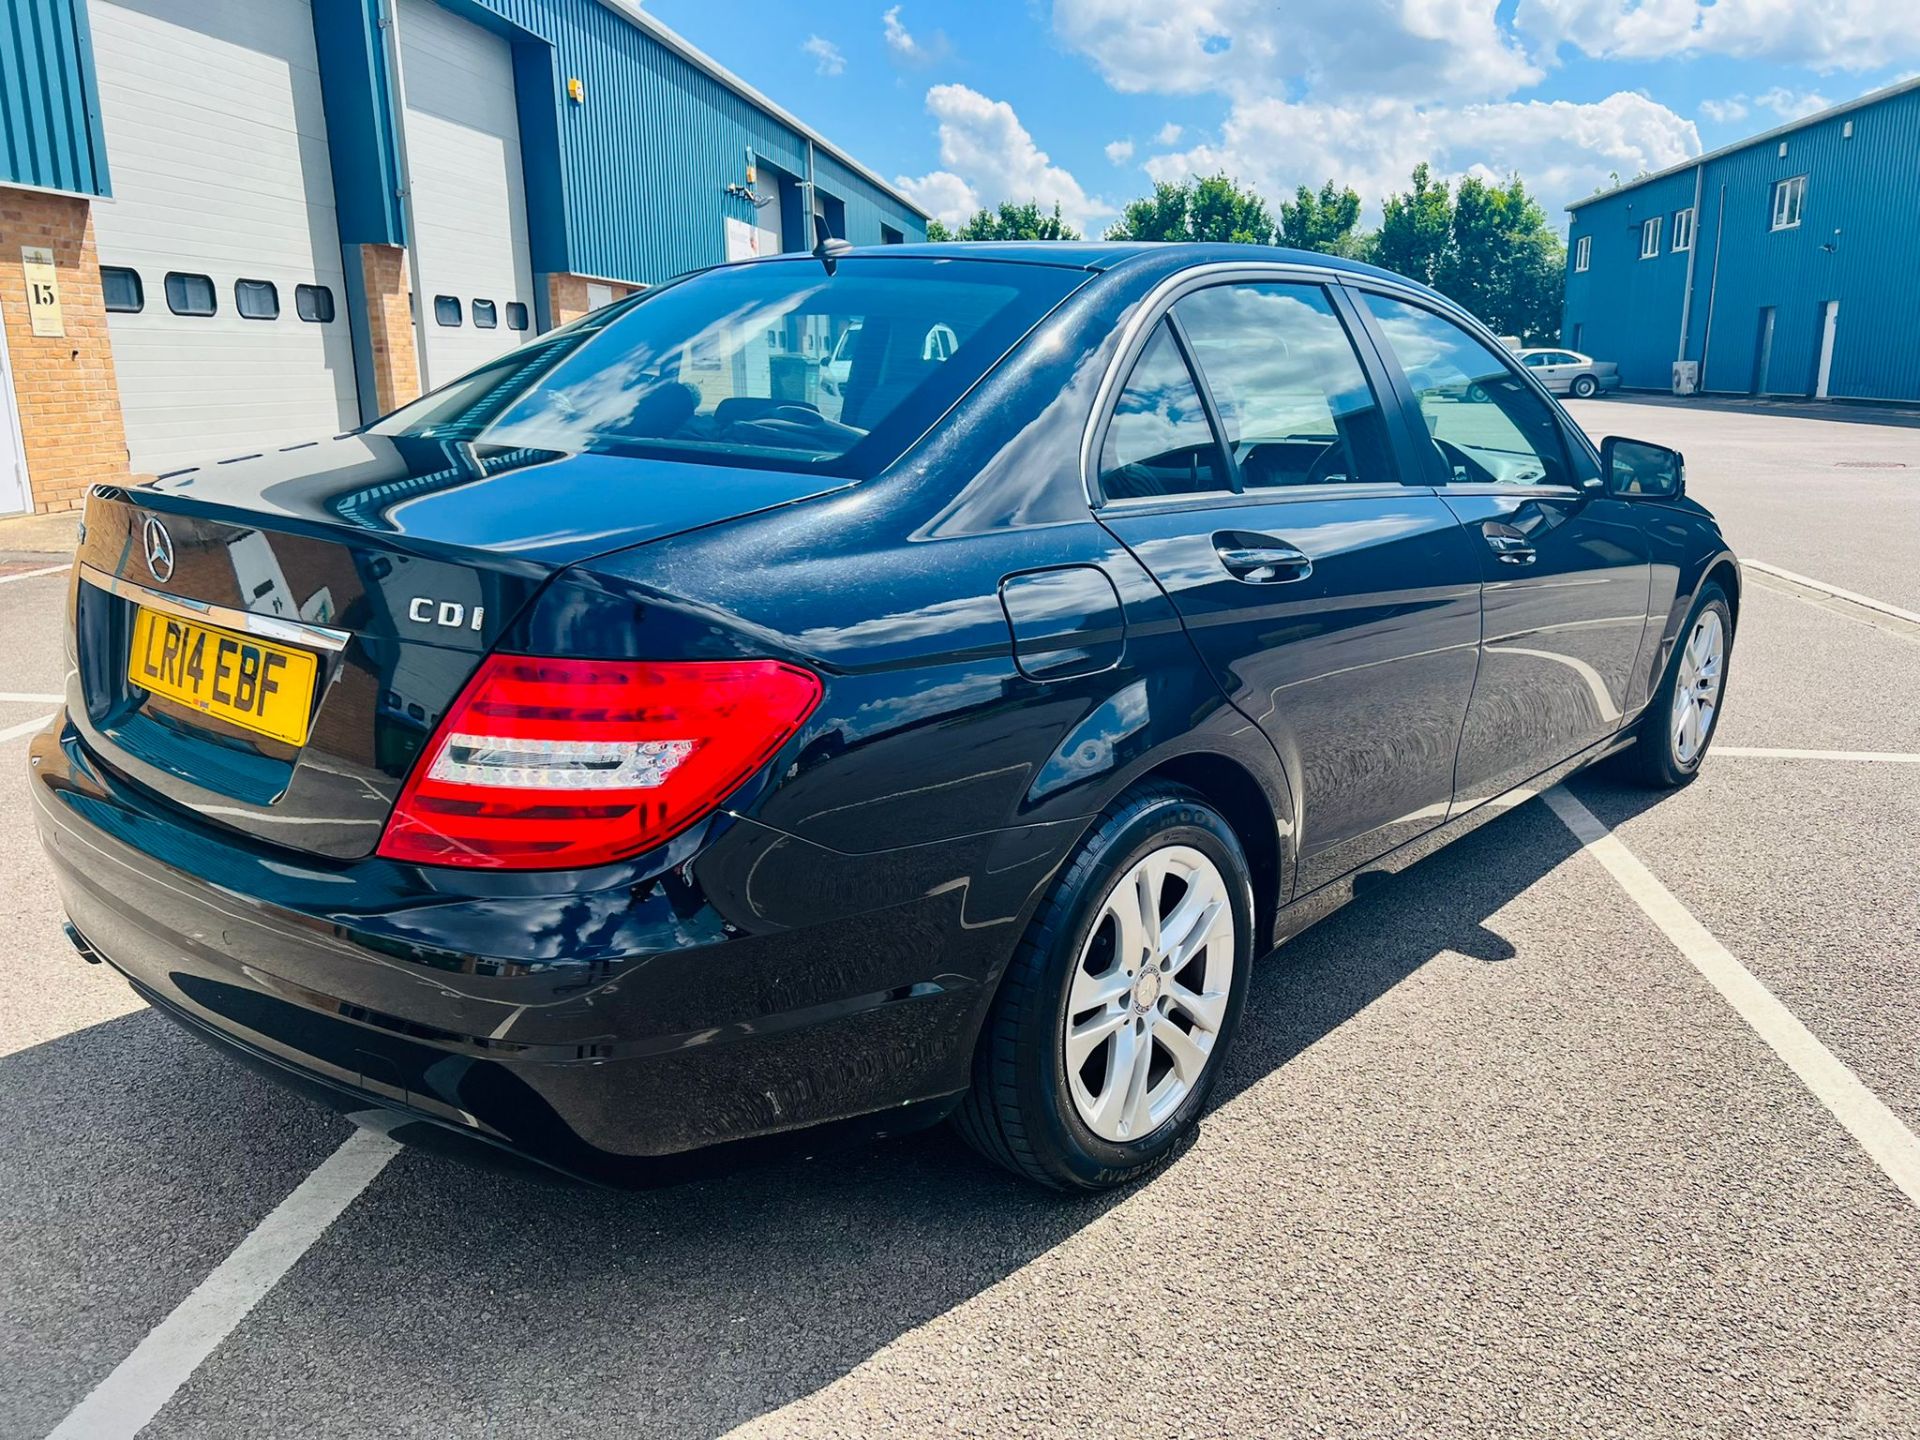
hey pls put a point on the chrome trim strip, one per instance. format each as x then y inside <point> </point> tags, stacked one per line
<point>267,627</point>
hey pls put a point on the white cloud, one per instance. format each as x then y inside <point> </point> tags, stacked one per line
<point>1561,149</point>
<point>1256,49</point>
<point>1829,35</point>
<point>1723,112</point>
<point>904,48</point>
<point>987,156</point>
<point>1792,104</point>
<point>827,59</point>
<point>1169,134</point>
<point>1119,151</point>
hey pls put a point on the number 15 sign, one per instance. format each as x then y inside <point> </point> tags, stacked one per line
<point>43,290</point>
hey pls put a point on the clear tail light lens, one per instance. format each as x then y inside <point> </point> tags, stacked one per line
<point>546,764</point>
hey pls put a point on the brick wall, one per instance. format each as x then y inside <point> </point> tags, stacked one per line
<point>390,333</point>
<point>567,295</point>
<point>64,386</point>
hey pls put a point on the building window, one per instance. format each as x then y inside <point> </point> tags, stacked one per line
<point>190,294</point>
<point>1683,229</point>
<point>1583,252</point>
<point>1650,238</point>
<point>120,288</point>
<point>446,310</point>
<point>256,299</point>
<point>891,236</point>
<point>516,315</point>
<point>313,302</point>
<point>1789,197</point>
<point>485,315</point>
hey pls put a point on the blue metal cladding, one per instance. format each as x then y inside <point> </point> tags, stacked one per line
<point>50,132</point>
<point>350,45</point>
<point>647,155</point>
<point>1856,244</point>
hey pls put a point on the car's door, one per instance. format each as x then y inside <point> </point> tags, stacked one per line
<point>1249,465</point>
<point>1565,563</point>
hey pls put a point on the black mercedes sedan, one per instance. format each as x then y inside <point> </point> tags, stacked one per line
<point>854,691</point>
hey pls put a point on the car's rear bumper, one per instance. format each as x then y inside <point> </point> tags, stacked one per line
<point>763,987</point>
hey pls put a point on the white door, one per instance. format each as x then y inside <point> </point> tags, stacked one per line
<point>214,124</point>
<point>469,204</point>
<point>1829,322</point>
<point>15,493</point>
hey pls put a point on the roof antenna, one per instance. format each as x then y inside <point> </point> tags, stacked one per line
<point>829,249</point>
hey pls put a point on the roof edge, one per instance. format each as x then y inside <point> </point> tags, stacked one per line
<point>1872,97</point>
<point>632,13</point>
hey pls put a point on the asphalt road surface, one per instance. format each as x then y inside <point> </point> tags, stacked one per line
<point>1496,1155</point>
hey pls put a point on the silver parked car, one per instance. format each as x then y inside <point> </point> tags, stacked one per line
<point>1567,372</point>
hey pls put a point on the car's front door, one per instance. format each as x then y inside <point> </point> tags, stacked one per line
<point>1250,467</point>
<point>1565,563</point>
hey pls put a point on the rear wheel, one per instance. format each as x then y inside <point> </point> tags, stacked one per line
<point>1105,1039</point>
<point>1585,387</point>
<point>1678,727</point>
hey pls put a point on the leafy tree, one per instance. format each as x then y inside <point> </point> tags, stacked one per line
<point>1211,208</point>
<point>1416,229</point>
<point>1505,263</point>
<point>937,231</point>
<point>1008,222</point>
<point>1327,222</point>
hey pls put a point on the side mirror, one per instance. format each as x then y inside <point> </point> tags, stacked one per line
<point>1641,468</point>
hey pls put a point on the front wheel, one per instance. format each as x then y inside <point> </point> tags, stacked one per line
<point>1107,1034</point>
<point>1680,720</point>
<point>1585,387</point>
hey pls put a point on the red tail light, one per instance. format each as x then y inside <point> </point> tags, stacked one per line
<point>552,764</point>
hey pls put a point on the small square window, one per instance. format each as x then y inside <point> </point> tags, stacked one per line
<point>256,299</point>
<point>485,316</point>
<point>1650,238</point>
<point>891,236</point>
<point>1789,198</point>
<point>446,310</point>
<point>516,315</point>
<point>190,294</point>
<point>120,289</point>
<point>314,303</point>
<point>1583,252</point>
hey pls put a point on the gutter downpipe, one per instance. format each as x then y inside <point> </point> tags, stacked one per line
<point>397,97</point>
<point>1693,253</point>
<point>1713,286</point>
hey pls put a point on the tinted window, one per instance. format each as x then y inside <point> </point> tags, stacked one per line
<point>516,315</point>
<point>120,289</point>
<point>1159,441</point>
<point>485,316</point>
<point>729,366</point>
<point>313,302</point>
<point>256,299</point>
<point>1486,425</point>
<point>190,294</point>
<point>446,310</point>
<point>1289,388</point>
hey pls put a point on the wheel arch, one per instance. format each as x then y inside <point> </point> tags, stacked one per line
<point>1233,790</point>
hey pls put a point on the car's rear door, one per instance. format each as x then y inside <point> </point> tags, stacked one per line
<point>1249,465</point>
<point>1565,563</point>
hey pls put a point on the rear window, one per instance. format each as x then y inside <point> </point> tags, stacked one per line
<point>775,365</point>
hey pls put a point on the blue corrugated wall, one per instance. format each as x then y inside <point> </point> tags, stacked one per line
<point>1857,243</point>
<point>49,108</point>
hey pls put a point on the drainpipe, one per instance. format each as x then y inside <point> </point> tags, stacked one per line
<point>1713,287</point>
<point>1693,253</point>
<point>397,93</point>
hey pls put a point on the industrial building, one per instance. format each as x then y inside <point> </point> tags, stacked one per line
<point>1783,265</point>
<point>231,224</point>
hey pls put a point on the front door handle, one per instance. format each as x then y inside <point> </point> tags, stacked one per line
<point>1261,559</point>
<point>1509,544</point>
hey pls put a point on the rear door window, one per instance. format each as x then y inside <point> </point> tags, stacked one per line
<point>1159,441</point>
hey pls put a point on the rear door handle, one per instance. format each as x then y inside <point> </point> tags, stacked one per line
<point>1509,544</point>
<point>1261,559</point>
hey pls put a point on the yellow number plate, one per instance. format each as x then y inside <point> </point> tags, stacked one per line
<point>248,682</point>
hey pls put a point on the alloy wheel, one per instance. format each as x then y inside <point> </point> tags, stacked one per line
<point>1149,993</point>
<point>1696,689</point>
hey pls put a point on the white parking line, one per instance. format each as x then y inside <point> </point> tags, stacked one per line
<point>25,727</point>
<point>1762,752</point>
<point>32,574</point>
<point>1852,596</point>
<point>1881,1133</point>
<point>143,1382</point>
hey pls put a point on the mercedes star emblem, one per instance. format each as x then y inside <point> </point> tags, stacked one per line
<point>159,550</point>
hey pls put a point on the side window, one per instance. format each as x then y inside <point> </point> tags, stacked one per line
<point>314,303</point>
<point>120,289</point>
<point>1487,426</point>
<point>1536,360</point>
<point>446,310</point>
<point>190,294</point>
<point>1289,388</point>
<point>485,315</point>
<point>256,299</point>
<point>516,315</point>
<point>1159,441</point>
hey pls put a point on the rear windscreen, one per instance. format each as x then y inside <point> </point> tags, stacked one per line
<point>778,365</point>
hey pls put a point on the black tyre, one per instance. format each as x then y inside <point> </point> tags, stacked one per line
<point>1674,734</point>
<point>1585,387</point>
<point>1108,1031</point>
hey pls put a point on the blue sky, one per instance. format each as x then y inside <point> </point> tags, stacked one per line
<point>1088,101</point>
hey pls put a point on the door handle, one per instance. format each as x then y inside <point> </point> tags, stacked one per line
<point>1261,559</point>
<point>1509,544</point>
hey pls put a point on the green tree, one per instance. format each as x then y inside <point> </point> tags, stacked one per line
<point>1327,222</point>
<point>1504,262</point>
<point>1213,207</point>
<point>937,231</point>
<point>1416,229</point>
<point>1008,222</point>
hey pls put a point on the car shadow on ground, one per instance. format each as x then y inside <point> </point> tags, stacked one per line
<point>490,1299</point>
